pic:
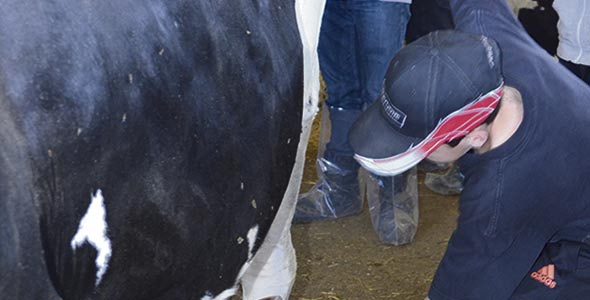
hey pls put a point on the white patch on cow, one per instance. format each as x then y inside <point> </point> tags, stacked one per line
<point>223,296</point>
<point>252,234</point>
<point>93,229</point>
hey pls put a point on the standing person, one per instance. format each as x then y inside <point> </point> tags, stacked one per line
<point>518,123</point>
<point>574,36</point>
<point>358,39</point>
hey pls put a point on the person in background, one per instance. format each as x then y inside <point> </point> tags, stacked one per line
<point>358,39</point>
<point>573,29</point>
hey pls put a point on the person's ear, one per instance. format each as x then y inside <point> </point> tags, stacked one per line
<point>478,137</point>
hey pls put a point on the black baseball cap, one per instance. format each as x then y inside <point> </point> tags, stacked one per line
<point>436,89</point>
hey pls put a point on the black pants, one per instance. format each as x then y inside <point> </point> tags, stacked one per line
<point>582,71</point>
<point>428,16</point>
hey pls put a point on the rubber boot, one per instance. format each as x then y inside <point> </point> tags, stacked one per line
<point>448,184</point>
<point>393,205</point>
<point>337,192</point>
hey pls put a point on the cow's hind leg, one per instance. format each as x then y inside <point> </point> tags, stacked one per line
<point>272,272</point>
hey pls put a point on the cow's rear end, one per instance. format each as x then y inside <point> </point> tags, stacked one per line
<point>145,146</point>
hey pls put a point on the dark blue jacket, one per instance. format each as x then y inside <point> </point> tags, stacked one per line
<point>529,191</point>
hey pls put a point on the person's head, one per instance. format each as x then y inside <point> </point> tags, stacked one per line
<point>475,139</point>
<point>440,88</point>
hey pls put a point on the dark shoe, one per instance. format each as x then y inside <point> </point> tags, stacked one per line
<point>447,184</point>
<point>335,195</point>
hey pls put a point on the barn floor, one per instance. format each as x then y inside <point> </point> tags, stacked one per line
<point>343,259</point>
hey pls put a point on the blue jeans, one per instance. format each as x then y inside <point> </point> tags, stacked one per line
<point>358,39</point>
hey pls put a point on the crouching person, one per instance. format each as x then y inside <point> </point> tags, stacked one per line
<point>518,124</point>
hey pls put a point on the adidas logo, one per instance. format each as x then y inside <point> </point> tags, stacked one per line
<point>546,276</point>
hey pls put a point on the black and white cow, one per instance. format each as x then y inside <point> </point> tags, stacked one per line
<point>147,146</point>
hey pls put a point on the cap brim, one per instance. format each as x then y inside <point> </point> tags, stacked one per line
<point>372,137</point>
<point>383,150</point>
